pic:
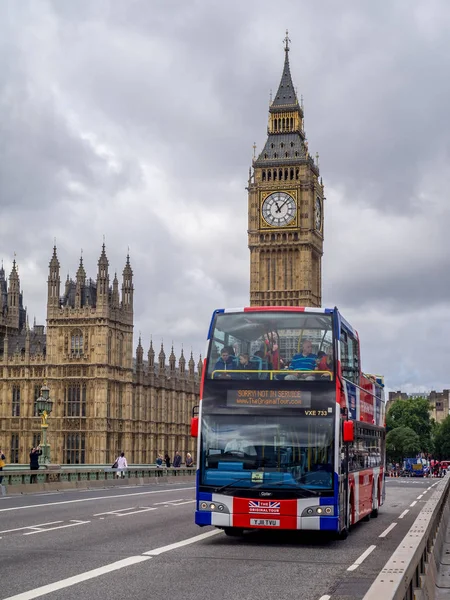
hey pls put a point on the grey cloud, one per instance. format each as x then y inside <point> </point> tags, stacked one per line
<point>117,113</point>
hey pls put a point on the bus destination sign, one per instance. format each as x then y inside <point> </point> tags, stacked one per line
<point>268,398</point>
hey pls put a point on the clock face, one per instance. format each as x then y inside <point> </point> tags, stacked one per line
<point>318,214</point>
<point>279,209</point>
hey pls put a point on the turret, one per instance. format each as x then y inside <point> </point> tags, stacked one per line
<point>54,283</point>
<point>200,366</point>
<point>102,280</point>
<point>127,287</point>
<point>182,363</point>
<point>151,358</point>
<point>139,356</point>
<point>191,365</point>
<point>81,282</point>
<point>162,359</point>
<point>172,361</point>
<point>115,300</point>
<point>13,297</point>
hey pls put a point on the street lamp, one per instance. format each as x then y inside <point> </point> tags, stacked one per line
<point>44,406</point>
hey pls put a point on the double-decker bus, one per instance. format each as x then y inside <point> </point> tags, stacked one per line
<point>291,433</point>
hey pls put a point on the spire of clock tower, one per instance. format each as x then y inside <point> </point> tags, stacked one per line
<point>285,229</point>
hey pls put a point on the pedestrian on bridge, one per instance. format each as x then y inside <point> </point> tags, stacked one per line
<point>2,462</point>
<point>122,464</point>
<point>35,453</point>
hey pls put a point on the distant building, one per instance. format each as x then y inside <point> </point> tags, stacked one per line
<point>439,402</point>
<point>105,401</point>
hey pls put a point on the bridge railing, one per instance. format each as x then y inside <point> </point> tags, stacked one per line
<point>13,480</point>
<point>412,570</point>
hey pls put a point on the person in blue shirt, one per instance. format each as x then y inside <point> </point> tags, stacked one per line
<point>305,360</point>
<point>224,363</point>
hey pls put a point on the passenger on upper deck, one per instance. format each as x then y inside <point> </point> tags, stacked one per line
<point>305,360</point>
<point>224,363</point>
<point>325,362</point>
<point>246,365</point>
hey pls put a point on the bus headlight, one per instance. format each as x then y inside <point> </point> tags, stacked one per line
<point>212,506</point>
<point>203,505</point>
<point>318,511</point>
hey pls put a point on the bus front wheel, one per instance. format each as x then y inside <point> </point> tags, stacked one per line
<point>233,531</point>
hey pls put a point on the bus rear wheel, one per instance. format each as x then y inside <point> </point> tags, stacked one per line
<point>233,531</point>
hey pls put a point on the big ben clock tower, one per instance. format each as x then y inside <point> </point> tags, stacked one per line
<point>285,209</point>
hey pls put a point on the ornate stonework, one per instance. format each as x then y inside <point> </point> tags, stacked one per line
<point>285,209</point>
<point>105,401</point>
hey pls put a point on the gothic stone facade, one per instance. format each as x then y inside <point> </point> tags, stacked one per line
<point>104,400</point>
<point>285,209</point>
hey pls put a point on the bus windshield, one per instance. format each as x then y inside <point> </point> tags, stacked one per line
<point>275,345</point>
<point>268,451</point>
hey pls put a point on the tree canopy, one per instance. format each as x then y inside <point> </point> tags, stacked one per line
<point>414,414</point>
<point>442,440</point>
<point>402,442</point>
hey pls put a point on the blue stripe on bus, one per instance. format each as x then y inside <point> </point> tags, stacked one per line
<point>202,517</point>
<point>329,523</point>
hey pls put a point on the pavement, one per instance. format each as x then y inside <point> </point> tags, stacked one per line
<point>140,542</point>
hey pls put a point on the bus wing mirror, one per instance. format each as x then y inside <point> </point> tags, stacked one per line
<point>349,432</point>
<point>194,422</point>
<point>194,427</point>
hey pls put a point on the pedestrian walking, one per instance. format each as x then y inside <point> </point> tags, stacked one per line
<point>35,453</point>
<point>122,464</point>
<point>2,463</point>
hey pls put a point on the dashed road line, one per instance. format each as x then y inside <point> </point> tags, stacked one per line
<point>326,597</point>
<point>31,527</point>
<point>76,524</point>
<point>110,497</point>
<point>115,566</point>
<point>361,559</point>
<point>387,530</point>
<point>404,513</point>
<point>413,503</point>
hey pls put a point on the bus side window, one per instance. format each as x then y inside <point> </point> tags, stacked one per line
<point>349,356</point>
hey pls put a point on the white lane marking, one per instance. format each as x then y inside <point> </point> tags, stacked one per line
<point>126,562</point>
<point>419,497</point>
<point>361,559</point>
<point>114,512</point>
<point>167,502</point>
<point>405,512</point>
<point>65,583</point>
<point>135,512</point>
<point>59,527</point>
<point>180,503</point>
<point>192,540</point>
<point>386,531</point>
<point>326,597</point>
<point>93,499</point>
<point>413,503</point>
<point>31,526</point>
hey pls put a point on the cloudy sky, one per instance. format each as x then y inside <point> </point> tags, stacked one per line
<point>135,120</point>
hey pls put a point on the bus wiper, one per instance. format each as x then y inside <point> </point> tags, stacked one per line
<point>291,486</point>
<point>227,485</point>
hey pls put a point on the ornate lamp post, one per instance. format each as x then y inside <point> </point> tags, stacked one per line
<point>44,406</point>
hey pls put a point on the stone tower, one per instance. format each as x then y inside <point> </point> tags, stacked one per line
<point>285,208</point>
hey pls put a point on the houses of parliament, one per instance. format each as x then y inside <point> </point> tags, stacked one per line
<point>106,401</point>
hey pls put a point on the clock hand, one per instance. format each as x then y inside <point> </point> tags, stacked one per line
<point>283,205</point>
<point>278,208</point>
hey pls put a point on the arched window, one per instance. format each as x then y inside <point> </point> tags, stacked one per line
<point>76,343</point>
<point>264,175</point>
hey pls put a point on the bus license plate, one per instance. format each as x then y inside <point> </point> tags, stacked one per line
<point>265,522</point>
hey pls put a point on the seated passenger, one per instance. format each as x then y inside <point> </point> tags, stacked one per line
<point>224,363</point>
<point>245,365</point>
<point>305,360</point>
<point>325,362</point>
